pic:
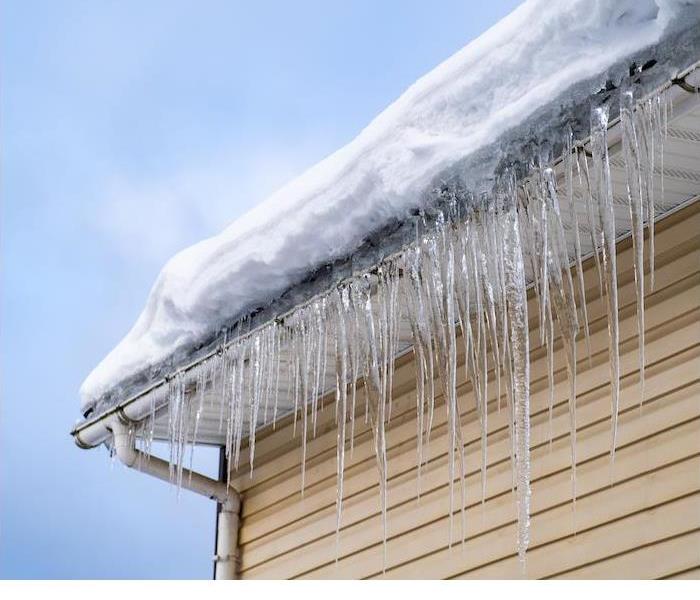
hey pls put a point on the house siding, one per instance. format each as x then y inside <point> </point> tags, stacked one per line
<point>638,517</point>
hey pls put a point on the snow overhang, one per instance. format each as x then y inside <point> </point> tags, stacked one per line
<point>682,185</point>
<point>665,63</point>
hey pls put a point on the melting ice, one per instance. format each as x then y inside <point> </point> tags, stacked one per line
<point>466,276</point>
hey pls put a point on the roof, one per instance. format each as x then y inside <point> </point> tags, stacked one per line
<point>485,107</point>
<point>681,185</point>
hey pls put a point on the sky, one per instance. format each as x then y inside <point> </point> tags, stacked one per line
<point>128,131</point>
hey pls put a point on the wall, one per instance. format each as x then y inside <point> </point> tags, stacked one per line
<point>639,517</point>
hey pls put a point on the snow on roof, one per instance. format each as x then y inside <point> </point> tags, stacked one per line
<point>477,96</point>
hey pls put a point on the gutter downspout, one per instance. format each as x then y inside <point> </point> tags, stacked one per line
<point>226,559</point>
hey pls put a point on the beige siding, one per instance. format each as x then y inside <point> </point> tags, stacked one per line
<point>637,518</point>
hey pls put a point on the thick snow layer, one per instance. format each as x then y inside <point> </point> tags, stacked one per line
<point>469,101</point>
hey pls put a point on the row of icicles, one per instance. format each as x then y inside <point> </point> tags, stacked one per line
<point>463,282</point>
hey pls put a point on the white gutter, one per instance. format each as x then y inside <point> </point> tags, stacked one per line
<point>226,559</point>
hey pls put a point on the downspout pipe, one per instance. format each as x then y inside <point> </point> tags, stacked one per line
<point>226,559</point>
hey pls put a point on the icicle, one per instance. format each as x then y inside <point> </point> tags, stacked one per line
<point>588,195</point>
<point>236,354</point>
<point>456,445</point>
<point>424,328</point>
<point>383,336</point>
<point>306,354</point>
<point>199,392</point>
<point>319,309</point>
<point>516,298</point>
<point>510,391</point>
<point>279,336</point>
<point>377,405</point>
<point>480,370</point>
<point>549,345</point>
<point>569,184</point>
<point>464,291</point>
<point>270,354</point>
<point>644,140</point>
<point>543,225</point>
<point>355,350</point>
<point>258,365</point>
<point>342,303</point>
<point>178,428</point>
<point>411,290</point>
<point>229,452</point>
<point>635,197</point>
<point>151,424</point>
<point>603,188</point>
<point>222,385</point>
<point>240,352</point>
<point>563,301</point>
<point>487,325</point>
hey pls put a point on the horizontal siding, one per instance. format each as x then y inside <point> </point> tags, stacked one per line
<point>626,516</point>
<point>692,573</point>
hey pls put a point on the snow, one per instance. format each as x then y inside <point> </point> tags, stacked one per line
<point>471,100</point>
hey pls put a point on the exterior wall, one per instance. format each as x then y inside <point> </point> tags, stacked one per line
<point>645,525</point>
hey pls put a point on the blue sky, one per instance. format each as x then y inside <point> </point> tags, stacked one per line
<point>130,130</point>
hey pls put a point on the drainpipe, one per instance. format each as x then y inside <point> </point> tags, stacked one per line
<point>226,560</point>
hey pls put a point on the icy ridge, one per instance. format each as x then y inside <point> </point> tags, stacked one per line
<point>466,103</point>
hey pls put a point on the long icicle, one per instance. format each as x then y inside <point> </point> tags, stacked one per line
<point>564,303</point>
<point>517,318</point>
<point>342,303</point>
<point>569,183</point>
<point>633,170</point>
<point>603,187</point>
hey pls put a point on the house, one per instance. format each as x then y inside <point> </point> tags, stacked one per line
<point>466,344</point>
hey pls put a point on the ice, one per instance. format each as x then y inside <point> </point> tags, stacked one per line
<point>569,160</point>
<point>564,304</point>
<point>342,302</point>
<point>591,211</point>
<point>415,318</point>
<point>199,391</point>
<point>464,275</point>
<point>644,126</point>
<point>516,299</point>
<point>637,193</point>
<point>602,186</point>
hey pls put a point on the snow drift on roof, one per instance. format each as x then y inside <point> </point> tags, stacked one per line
<point>475,97</point>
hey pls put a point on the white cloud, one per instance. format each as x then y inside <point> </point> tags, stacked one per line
<point>147,221</point>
